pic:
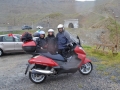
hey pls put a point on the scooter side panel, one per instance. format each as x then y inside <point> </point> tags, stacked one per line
<point>81,55</point>
<point>42,61</point>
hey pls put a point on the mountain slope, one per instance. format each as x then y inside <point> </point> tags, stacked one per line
<point>19,12</point>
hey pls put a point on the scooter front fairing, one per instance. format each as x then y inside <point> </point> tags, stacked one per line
<point>81,55</point>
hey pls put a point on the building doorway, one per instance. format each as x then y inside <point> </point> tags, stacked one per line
<point>71,25</point>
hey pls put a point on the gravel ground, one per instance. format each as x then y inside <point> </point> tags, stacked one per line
<point>12,77</point>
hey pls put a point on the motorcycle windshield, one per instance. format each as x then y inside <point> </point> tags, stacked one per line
<point>73,37</point>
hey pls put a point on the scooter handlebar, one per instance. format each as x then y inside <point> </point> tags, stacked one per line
<point>69,44</point>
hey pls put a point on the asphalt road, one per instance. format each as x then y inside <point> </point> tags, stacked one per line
<point>12,68</point>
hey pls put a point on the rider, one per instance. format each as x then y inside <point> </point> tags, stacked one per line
<point>39,29</point>
<point>41,43</point>
<point>37,33</point>
<point>51,42</point>
<point>63,38</point>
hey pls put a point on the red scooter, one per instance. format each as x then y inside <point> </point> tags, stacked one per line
<point>42,65</point>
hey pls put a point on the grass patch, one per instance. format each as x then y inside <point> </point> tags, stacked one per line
<point>113,78</point>
<point>106,73</point>
<point>101,67</point>
<point>54,15</point>
<point>105,61</point>
<point>80,86</point>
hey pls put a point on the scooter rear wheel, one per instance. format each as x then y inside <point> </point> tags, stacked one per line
<point>1,52</point>
<point>37,78</point>
<point>86,68</point>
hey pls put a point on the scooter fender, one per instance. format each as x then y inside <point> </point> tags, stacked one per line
<point>86,61</point>
<point>83,59</point>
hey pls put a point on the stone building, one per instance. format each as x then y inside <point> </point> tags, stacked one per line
<point>71,23</point>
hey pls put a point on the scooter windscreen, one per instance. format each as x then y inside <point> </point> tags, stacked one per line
<point>73,38</point>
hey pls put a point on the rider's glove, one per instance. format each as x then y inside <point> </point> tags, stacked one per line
<point>71,44</point>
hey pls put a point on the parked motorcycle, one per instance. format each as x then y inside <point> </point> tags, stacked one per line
<point>42,65</point>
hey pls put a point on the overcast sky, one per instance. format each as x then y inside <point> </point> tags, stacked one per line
<point>85,0</point>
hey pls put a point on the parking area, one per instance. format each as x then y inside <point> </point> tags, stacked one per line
<point>12,68</point>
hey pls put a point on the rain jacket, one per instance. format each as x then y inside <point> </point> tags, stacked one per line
<point>41,42</point>
<point>62,39</point>
<point>51,44</point>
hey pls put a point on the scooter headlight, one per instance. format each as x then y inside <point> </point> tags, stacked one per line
<point>81,48</point>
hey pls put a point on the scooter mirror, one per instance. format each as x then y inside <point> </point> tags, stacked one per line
<point>77,37</point>
<point>79,41</point>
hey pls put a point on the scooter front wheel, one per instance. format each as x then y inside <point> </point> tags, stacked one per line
<point>37,78</point>
<point>86,68</point>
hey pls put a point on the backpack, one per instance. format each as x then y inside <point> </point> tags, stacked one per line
<point>26,37</point>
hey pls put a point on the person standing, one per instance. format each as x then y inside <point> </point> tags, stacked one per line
<point>63,38</point>
<point>39,29</point>
<point>37,33</point>
<point>51,42</point>
<point>41,43</point>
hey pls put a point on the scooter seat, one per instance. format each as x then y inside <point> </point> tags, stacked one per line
<point>56,57</point>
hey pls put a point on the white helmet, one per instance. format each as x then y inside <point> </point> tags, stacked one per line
<point>60,26</point>
<point>50,30</point>
<point>42,32</point>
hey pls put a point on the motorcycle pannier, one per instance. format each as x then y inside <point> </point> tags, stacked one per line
<point>29,46</point>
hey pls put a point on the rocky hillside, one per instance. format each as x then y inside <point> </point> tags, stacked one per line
<point>19,12</point>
